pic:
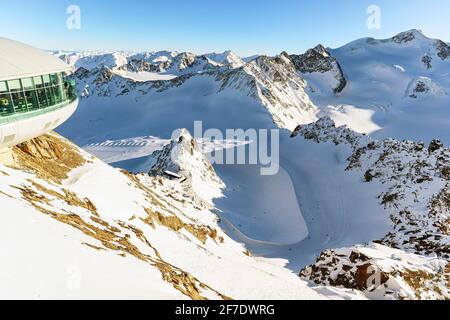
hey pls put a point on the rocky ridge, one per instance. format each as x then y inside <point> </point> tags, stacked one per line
<point>415,188</point>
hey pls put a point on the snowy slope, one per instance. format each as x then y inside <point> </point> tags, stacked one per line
<point>184,157</point>
<point>77,216</point>
<point>337,190</point>
<point>410,181</point>
<point>381,76</point>
<point>321,70</point>
<point>226,58</point>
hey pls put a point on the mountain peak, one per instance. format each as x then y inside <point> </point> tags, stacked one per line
<point>183,157</point>
<point>320,48</point>
<point>408,36</point>
<point>227,57</point>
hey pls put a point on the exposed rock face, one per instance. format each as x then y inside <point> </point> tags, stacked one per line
<point>435,145</point>
<point>405,37</point>
<point>415,189</point>
<point>104,76</point>
<point>443,50</point>
<point>426,60</point>
<point>81,73</point>
<point>49,155</point>
<point>320,60</point>
<point>422,87</point>
<point>275,82</point>
<point>381,273</point>
<point>184,60</point>
<point>140,65</point>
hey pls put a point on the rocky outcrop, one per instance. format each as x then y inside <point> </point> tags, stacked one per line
<point>50,156</point>
<point>275,82</point>
<point>381,273</point>
<point>413,180</point>
<point>427,61</point>
<point>184,158</point>
<point>423,86</point>
<point>443,50</point>
<point>405,37</point>
<point>320,60</point>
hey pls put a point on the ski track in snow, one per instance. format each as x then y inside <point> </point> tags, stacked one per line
<point>113,151</point>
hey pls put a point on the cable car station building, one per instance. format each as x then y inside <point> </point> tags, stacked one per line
<point>35,95</point>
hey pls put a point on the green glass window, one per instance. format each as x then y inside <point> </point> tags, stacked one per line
<point>58,93</point>
<point>38,82</point>
<point>14,85</point>
<point>51,95</point>
<point>54,79</point>
<point>32,100</point>
<point>46,79</point>
<point>17,96</point>
<point>42,97</point>
<point>6,106</point>
<point>27,83</point>
<point>19,101</point>
<point>29,94</point>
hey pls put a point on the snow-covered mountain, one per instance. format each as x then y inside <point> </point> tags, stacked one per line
<point>88,230</point>
<point>358,209</point>
<point>184,157</point>
<point>413,256</point>
<point>373,86</point>
<point>384,78</point>
<point>318,62</point>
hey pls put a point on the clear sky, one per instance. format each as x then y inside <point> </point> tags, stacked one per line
<point>246,27</point>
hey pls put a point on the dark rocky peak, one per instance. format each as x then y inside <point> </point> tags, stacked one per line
<point>319,59</point>
<point>443,49</point>
<point>81,73</point>
<point>104,75</point>
<point>407,36</point>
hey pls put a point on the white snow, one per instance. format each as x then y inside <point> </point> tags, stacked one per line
<point>44,259</point>
<point>429,87</point>
<point>226,58</point>
<point>259,209</point>
<point>399,68</point>
<point>379,73</point>
<point>359,120</point>
<point>62,267</point>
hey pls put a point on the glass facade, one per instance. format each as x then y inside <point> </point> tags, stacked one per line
<point>30,94</point>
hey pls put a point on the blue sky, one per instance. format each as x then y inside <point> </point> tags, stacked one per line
<point>246,27</point>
